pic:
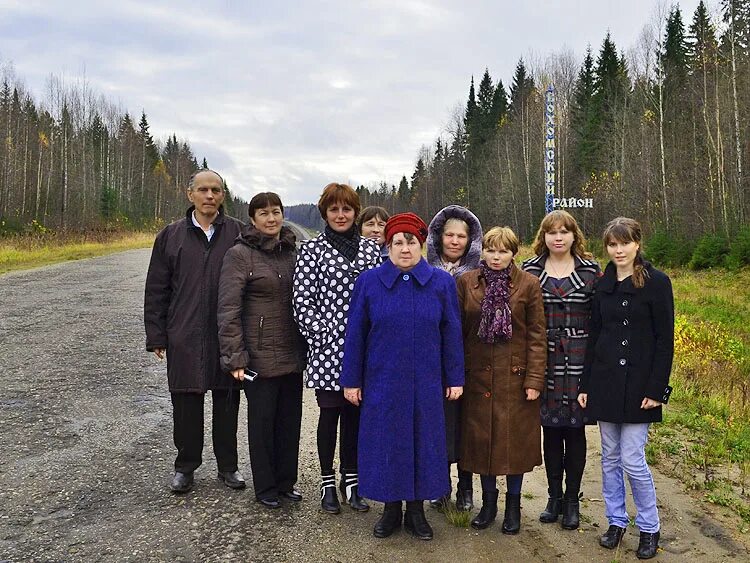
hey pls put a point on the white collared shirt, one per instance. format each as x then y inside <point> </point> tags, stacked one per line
<point>209,232</point>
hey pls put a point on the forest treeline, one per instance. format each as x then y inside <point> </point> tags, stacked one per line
<point>659,132</point>
<point>75,160</point>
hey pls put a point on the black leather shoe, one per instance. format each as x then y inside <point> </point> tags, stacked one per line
<point>554,504</point>
<point>182,482</point>
<point>464,500</point>
<point>349,487</point>
<point>415,522</point>
<point>488,513</point>
<point>648,545</point>
<point>571,513</point>
<point>440,503</point>
<point>232,479</point>
<point>329,500</point>
<point>270,502</point>
<point>612,537</point>
<point>294,495</point>
<point>390,521</point>
<point>512,520</point>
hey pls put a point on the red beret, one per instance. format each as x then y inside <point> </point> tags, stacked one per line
<point>406,223</point>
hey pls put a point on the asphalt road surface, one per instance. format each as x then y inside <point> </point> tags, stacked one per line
<point>87,454</point>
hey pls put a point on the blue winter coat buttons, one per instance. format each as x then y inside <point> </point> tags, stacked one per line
<point>405,277</point>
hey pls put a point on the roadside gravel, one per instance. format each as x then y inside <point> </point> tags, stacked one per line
<point>87,457</point>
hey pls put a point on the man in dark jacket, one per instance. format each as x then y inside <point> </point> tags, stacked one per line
<point>180,317</point>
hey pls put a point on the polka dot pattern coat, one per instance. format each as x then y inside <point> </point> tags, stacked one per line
<point>323,284</point>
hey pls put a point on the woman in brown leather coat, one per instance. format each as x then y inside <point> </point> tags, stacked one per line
<point>258,335</point>
<point>505,350</point>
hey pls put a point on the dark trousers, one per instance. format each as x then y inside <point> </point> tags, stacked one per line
<point>513,483</point>
<point>187,414</point>
<point>274,417</point>
<point>327,426</point>
<point>565,451</point>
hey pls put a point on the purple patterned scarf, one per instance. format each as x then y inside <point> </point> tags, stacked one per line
<point>495,324</point>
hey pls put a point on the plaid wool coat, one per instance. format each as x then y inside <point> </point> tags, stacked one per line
<point>567,308</point>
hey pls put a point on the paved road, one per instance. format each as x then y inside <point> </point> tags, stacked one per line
<point>87,457</point>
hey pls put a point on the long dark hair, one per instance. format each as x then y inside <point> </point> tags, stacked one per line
<point>624,229</point>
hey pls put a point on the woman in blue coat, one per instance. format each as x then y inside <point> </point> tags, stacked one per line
<point>403,353</point>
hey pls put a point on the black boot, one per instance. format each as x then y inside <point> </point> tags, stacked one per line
<point>415,522</point>
<point>512,520</point>
<point>349,487</point>
<point>571,515</point>
<point>329,500</point>
<point>390,521</point>
<point>648,545</point>
<point>612,537</point>
<point>554,503</point>
<point>488,513</point>
<point>464,499</point>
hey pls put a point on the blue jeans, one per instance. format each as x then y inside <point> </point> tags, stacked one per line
<point>624,450</point>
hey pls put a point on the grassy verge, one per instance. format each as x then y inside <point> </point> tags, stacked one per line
<point>25,252</point>
<point>705,438</point>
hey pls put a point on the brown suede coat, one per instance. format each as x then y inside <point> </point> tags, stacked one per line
<point>501,432</point>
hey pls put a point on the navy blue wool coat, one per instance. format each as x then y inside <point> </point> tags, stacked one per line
<point>403,347</point>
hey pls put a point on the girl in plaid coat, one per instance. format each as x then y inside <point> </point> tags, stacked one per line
<point>566,274</point>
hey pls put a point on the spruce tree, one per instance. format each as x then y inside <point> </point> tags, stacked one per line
<point>702,38</point>
<point>521,87</point>
<point>499,104</point>
<point>583,118</point>
<point>674,59</point>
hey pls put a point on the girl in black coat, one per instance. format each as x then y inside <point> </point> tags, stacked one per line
<point>626,377</point>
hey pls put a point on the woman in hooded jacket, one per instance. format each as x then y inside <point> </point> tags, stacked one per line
<point>454,244</point>
<point>258,337</point>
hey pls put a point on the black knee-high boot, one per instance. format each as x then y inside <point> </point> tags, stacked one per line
<point>415,521</point>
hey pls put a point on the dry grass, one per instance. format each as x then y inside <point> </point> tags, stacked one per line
<point>25,252</point>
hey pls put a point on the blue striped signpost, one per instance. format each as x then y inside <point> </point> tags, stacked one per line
<point>549,149</point>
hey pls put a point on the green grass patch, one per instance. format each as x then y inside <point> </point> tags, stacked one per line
<point>458,518</point>
<point>23,253</point>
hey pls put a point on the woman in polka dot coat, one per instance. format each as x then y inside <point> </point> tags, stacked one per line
<point>327,267</point>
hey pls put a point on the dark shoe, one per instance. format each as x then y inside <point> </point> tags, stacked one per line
<point>182,482</point>
<point>488,513</point>
<point>349,487</point>
<point>440,503</point>
<point>270,502</point>
<point>232,479</point>
<point>390,521</point>
<point>294,495</point>
<point>554,503</point>
<point>415,521</point>
<point>648,545</point>
<point>329,500</point>
<point>612,537</point>
<point>571,513</point>
<point>464,500</point>
<point>512,520</point>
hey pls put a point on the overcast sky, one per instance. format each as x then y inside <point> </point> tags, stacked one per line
<point>288,96</point>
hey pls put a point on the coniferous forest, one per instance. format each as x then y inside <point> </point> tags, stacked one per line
<point>659,130</point>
